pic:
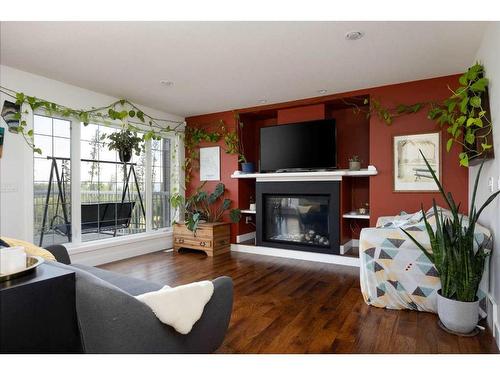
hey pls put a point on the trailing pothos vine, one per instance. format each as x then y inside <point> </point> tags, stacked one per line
<point>121,112</point>
<point>464,114</point>
<point>211,133</point>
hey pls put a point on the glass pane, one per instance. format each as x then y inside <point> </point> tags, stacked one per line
<point>302,219</point>
<point>62,128</point>
<point>62,147</point>
<point>45,144</point>
<point>42,125</point>
<point>89,132</point>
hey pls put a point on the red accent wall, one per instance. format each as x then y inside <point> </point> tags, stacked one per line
<point>229,163</point>
<point>370,139</point>
<point>383,200</point>
<point>299,114</point>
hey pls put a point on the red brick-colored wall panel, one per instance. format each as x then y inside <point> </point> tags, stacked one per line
<point>353,137</point>
<point>383,200</point>
<point>370,139</point>
<point>228,164</point>
<point>300,114</point>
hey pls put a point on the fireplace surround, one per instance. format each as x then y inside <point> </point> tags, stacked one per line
<point>299,215</point>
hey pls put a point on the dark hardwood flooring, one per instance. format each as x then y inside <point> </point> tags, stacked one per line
<point>291,306</point>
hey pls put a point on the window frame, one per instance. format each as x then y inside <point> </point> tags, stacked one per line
<point>75,156</point>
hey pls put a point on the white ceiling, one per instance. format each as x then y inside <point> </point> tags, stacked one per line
<point>226,65</point>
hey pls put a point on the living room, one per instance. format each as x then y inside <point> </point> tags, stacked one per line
<point>249,187</point>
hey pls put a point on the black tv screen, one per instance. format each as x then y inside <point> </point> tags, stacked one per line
<point>304,145</point>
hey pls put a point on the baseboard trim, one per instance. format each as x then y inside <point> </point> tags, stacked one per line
<point>293,254</point>
<point>495,328</point>
<point>93,254</point>
<point>245,237</point>
<point>348,246</point>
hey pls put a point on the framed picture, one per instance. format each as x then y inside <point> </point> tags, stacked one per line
<point>210,163</point>
<point>409,170</point>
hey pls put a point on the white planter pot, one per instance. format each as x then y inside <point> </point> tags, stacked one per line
<point>457,316</point>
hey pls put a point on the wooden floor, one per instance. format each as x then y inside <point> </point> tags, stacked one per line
<point>291,306</point>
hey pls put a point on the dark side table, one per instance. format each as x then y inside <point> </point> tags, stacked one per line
<point>38,313</point>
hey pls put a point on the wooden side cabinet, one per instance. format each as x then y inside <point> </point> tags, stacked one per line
<point>212,238</point>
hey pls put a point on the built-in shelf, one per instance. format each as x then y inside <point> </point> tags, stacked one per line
<point>355,215</point>
<point>308,176</point>
<point>248,212</point>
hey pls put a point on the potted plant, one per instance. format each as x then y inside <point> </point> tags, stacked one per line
<point>354,163</point>
<point>234,145</point>
<point>203,228</point>
<point>125,142</point>
<point>459,262</point>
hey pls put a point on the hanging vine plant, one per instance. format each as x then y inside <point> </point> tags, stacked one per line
<point>131,118</point>
<point>465,114</point>
<point>211,133</point>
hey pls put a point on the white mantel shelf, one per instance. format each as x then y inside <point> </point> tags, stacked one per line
<point>335,175</point>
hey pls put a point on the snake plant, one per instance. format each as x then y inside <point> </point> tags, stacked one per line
<point>457,256</point>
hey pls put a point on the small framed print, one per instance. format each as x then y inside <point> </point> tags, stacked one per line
<point>410,172</point>
<point>210,163</point>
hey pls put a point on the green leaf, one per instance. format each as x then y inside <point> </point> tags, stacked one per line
<point>131,113</point>
<point>463,79</point>
<point>37,150</point>
<point>464,159</point>
<point>463,104</point>
<point>470,121</point>
<point>470,138</point>
<point>30,133</point>
<point>475,101</point>
<point>479,85</point>
<point>449,144</point>
<point>486,146</point>
<point>478,122</point>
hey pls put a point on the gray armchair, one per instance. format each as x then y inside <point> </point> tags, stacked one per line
<point>111,320</point>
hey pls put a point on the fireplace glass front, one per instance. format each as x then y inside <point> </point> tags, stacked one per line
<point>300,219</point>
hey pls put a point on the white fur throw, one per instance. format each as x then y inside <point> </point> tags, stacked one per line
<point>180,307</point>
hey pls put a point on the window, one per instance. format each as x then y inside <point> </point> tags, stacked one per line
<point>111,193</point>
<point>160,179</point>
<point>52,181</point>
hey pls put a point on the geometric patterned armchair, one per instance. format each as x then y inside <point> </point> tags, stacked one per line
<point>396,274</point>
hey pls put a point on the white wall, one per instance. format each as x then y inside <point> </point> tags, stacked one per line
<point>16,165</point>
<point>489,55</point>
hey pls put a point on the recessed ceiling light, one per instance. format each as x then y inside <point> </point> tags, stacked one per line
<point>164,82</point>
<point>262,101</point>
<point>354,35</point>
<point>322,91</point>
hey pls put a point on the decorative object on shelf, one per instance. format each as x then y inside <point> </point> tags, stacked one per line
<point>121,112</point>
<point>466,115</point>
<point>210,163</point>
<point>247,167</point>
<point>409,169</point>
<point>252,205</point>
<point>354,163</point>
<point>458,256</point>
<point>205,207</point>
<point>125,143</point>
<point>364,210</point>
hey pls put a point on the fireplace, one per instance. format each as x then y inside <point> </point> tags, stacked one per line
<point>299,215</point>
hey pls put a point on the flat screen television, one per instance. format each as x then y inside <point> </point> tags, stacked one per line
<point>301,146</point>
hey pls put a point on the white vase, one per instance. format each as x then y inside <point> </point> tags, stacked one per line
<point>457,316</point>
